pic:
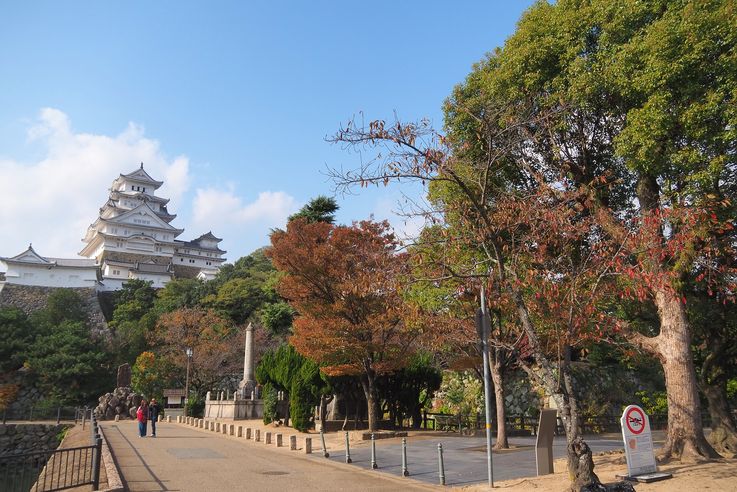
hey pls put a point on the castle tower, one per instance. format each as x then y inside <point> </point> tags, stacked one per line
<point>132,238</point>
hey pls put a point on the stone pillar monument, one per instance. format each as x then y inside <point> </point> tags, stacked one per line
<point>248,384</point>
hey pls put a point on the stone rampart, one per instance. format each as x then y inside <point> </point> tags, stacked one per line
<point>27,438</point>
<point>30,298</point>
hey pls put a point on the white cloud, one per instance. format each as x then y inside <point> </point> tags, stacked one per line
<point>52,200</point>
<point>243,225</point>
<point>215,207</point>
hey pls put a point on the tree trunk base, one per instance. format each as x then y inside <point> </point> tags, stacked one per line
<point>581,467</point>
<point>723,440</point>
<point>687,450</point>
<point>499,445</point>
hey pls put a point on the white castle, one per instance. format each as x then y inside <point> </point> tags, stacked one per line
<point>132,238</point>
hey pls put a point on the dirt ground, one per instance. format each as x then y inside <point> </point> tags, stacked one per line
<point>718,475</point>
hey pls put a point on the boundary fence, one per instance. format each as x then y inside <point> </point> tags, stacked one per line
<point>60,469</point>
<point>527,424</point>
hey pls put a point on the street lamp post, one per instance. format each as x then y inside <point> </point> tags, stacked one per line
<point>483,326</point>
<point>188,351</point>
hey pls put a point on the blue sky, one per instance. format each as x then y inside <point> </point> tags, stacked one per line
<point>228,101</point>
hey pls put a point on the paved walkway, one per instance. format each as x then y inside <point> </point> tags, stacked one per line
<point>183,458</point>
<point>464,457</point>
<point>187,458</point>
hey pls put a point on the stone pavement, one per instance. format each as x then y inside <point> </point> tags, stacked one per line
<point>464,457</point>
<point>183,458</point>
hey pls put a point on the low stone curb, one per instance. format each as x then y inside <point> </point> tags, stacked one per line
<point>114,483</point>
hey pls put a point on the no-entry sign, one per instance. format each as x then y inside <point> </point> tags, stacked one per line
<point>638,442</point>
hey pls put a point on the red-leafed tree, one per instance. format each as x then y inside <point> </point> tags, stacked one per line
<point>216,345</point>
<point>345,283</point>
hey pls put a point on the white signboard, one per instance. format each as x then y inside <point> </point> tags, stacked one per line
<point>638,441</point>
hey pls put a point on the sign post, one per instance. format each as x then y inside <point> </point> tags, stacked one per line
<point>638,446</point>
<point>544,441</point>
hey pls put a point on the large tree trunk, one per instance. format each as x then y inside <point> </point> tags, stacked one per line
<point>685,437</point>
<point>368,382</point>
<point>324,402</point>
<point>497,377</point>
<point>723,436</point>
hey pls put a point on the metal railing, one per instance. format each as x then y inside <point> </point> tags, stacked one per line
<point>60,469</point>
<point>526,424</point>
<point>34,413</point>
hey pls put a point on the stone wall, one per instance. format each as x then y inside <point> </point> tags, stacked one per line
<point>33,298</point>
<point>26,438</point>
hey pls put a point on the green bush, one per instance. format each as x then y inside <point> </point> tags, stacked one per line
<point>269,396</point>
<point>653,402</point>
<point>301,405</point>
<point>195,406</point>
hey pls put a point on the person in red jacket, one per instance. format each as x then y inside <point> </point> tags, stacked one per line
<point>142,416</point>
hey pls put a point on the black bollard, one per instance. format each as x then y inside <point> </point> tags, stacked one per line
<point>441,466</point>
<point>347,450</point>
<point>405,471</point>
<point>373,452</point>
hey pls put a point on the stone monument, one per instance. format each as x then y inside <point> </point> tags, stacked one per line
<point>248,383</point>
<point>124,376</point>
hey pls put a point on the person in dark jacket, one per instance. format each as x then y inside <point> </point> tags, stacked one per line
<point>153,414</point>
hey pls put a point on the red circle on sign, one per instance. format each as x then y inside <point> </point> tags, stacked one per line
<point>629,422</point>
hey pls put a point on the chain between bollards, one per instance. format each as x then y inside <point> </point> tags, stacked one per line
<point>373,452</point>
<point>347,450</point>
<point>405,472</point>
<point>441,467</point>
<point>324,449</point>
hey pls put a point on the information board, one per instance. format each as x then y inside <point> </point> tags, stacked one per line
<point>638,441</point>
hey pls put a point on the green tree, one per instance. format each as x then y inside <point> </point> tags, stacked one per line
<point>150,375</point>
<point>179,293</point>
<point>61,305</point>
<point>298,377</point>
<point>319,209</point>
<point>132,319</point>
<point>17,335</point>
<point>70,367</point>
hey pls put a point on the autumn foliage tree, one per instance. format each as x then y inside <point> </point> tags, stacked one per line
<point>216,345</point>
<point>618,117</point>
<point>345,284</point>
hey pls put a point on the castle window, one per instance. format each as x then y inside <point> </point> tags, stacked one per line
<point>144,189</point>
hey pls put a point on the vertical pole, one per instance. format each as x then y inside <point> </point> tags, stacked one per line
<point>484,332</point>
<point>322,438</point>
<point>441,467</point>
<point>373,452</point>
<point>84,417</point>
<point>96,464</point>
<point>405,471</point>
<point>186,382</point>
<point>347,450</point>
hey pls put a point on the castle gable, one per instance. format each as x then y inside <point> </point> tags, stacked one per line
<point>143,216</point>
